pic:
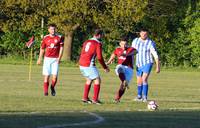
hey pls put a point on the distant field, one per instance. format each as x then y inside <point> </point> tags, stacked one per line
<point>22,103</point>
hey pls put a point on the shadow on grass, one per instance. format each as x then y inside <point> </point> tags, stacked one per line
<point>155,119</point>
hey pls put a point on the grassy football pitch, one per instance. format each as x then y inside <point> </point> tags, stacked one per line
<point>22,104</point>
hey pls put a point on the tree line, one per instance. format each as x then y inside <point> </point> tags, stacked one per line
<point>173,24</point>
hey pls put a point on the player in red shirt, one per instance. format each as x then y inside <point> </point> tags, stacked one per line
<point>91,49</point>
<point>124,69</point>
<point>52,49</point>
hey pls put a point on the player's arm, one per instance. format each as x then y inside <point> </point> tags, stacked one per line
<point>134,43</point>
<point>112,57</point>
<point>100,57</point>
<point>156,58</point>
<point>130,52</point>
<point>157,65</point>
<point>60,54</point>
<point>61,49</point>
<point>41,54</point>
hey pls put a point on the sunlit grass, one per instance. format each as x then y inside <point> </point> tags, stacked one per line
<point>175,92</point>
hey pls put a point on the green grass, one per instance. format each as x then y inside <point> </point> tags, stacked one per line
<point>22,103</point>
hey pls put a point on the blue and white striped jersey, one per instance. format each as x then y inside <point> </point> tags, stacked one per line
<point>146,50</point>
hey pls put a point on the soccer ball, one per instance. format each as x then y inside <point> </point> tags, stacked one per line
<point>152,105</point>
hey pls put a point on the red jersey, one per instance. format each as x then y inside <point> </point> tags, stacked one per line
<point>52,45</point>
<point>124,60</point>
<point>90,50</point>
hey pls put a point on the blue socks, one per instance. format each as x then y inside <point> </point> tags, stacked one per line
<point>145,90</point>
<point>139,91</point>
<point>142,90</point>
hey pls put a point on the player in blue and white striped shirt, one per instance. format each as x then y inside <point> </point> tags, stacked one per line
<point>146,51</point>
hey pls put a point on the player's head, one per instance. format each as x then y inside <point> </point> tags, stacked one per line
<point>98,33</point>
<point>52,29</point>
<point>123,42</point>
<point>143,33</point>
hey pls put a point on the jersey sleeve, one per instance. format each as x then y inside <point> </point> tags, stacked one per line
<point>153,50</point>
<point>134,43</point>
<point>62,41</point>
<point>115,52</point>
<point>99,55</point>
<point>130,50</point>
<point>43,44</point>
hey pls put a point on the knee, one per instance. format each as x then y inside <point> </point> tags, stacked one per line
<point>144,81</point>
<point>139,82</point>
<point>46,78</point>
<point>97,81</point>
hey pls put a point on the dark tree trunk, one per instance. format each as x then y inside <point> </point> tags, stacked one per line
<point>67,53</point>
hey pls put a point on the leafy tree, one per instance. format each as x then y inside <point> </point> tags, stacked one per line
<point>69,15</point>
<point>174,25</point>
<point>185,47</point>
<point>116,16</point>
<point>157,19</point>
<point>19,20</point>
<point>193,36</point>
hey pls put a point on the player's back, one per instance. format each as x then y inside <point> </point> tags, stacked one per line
<point>89,52</point>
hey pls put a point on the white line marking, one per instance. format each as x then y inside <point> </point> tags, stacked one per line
<point>99,119</point>
<point>192,108</point>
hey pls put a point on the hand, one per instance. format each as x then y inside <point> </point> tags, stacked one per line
<point>38,62</point>
<point>58,60</point>
<point>157,70</point>
<point>107,63</point>
<point>107,70</point>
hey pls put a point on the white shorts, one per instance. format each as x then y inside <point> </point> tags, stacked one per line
<point>89,72</point>
<point>128,72</point>
<point>50,66</point>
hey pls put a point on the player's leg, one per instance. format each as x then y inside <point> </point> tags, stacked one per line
<point>46,73</point>
<point>121,74</point>
<point>53,84</point>
<point>128,71</point>
<point>145,86</point>
<point>87,87</point>
<point>54,72</point>
<point>46,85</point>
<point>97,83</point>
<point>119,93</point>
<point>120,71</point>
<point>146,72</point>
<point>90,73</point>
<point>139,84</point>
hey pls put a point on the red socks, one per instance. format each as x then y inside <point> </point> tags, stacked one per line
<point>121,90</point>
<point>86,91</point>
<point>96,92</point>
<point>45,87</point>
<point>120,93</point>
<point>53,83</point>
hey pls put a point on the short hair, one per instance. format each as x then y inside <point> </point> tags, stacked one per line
<point>52,25</point>
<point>98,32</point>
<point>124,38</point>
<point>144,30</point>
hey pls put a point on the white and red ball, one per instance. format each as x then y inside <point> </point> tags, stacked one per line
<point>152,105</point>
